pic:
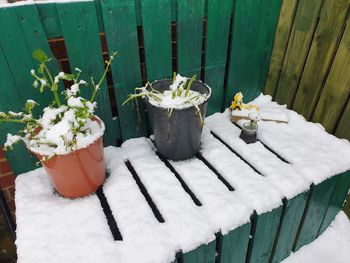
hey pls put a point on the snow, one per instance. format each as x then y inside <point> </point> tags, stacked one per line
<point>255,189</point>
<point>11,140</point>
<point>332,246</point>
<point>315,153</point>
<point>182,102</point>
<point>282,175</point>
<point>54,229</point>
<point>177,97</point>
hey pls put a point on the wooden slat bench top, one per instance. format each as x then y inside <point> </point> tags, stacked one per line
<point>190,210</point>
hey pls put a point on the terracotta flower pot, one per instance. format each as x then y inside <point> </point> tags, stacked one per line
<point>78,173</point>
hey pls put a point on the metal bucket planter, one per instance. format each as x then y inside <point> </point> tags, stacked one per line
<point>177,136</point>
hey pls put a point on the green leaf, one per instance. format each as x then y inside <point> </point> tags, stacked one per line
<point>40,55</point>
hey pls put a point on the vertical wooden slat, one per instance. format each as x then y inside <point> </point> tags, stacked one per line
<point>19,158</point>
<point>80,31</point>
<point>121,33</point>
<point>189,36</point>
<point>35,37</point>
<point>284,28</point>
<point>336,90</point>
<point>49,19</point>
<point>298,47</point>
<point>204,254</point>
<point>315,211</point>
<point>253,33</point>
<point>19,57</point>
<point>217,34</point>
<point>235,244</point>
<point>291,219</point>
<point>342,130</point>
<point>261,244</point>
<point>327,35</point>
<point>338,197</point>
<point>156,27</point>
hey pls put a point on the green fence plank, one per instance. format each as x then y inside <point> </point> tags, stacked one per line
<point>189,36</point>
<point>323,47</point>
<point>338,197</point>
<point>217,34</point>
<point>80,30</point>
<point>202,254</point>
<point>314,212</point>
<point>253,33</point>
<point>336,90</point>
<point>284,27</point>
<point>121,33</point>
<point>293,212</point>
<point>264,232</point>
<point>234,245</point>
<point>19,57</point>
<point>49,19</point>
<point>342,130</point>
<point>19,158</point>
<point>156,26</point>
<point>298,47</point>
<point>35,38</point>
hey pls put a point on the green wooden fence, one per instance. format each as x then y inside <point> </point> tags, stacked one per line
<point>227,44</point>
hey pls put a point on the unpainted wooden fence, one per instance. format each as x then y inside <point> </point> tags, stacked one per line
<point>310,63</point>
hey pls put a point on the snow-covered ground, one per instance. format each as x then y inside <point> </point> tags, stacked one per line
<point>333,246</point>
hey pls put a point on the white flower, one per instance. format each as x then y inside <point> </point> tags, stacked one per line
<point>32,71</point>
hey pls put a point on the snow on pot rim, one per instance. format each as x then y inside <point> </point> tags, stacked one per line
<point>187,107</point>
<point>97,131</point>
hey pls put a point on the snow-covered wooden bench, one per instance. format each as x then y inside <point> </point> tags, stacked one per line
<point>234,202</point>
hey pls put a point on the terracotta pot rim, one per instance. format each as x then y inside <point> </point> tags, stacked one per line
<point>74,152</point>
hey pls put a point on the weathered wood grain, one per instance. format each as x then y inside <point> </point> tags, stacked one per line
<point>304,25</point>
<point>328,32</point>
<point>284,28</point>
<point>337,87</point>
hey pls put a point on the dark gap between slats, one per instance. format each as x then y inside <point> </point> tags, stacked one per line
<point>227,67</point>
<point>253,219</point>
<point>220,177</point>
<point>109,215</point>
<point>285,202</point>
<point>311,191</point>
<point>267,147</point>
<point>145,193</point>
<point>232,150</point>
<point>182,182</point>
<point>218,239</point>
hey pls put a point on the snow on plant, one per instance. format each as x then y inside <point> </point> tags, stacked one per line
<point>178,96</point>
<point>64,126</point>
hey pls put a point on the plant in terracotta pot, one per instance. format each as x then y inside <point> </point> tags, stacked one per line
<point>67,136</point>
<point>176,108</point>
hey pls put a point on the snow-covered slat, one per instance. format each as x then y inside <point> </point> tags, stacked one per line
<point>185,224</point>
<point>284,176</point>
<point>226,209</point>
<point>51,228</point>
<point>288,180</point>
<point>254,188</point>
<point>144,238</point>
